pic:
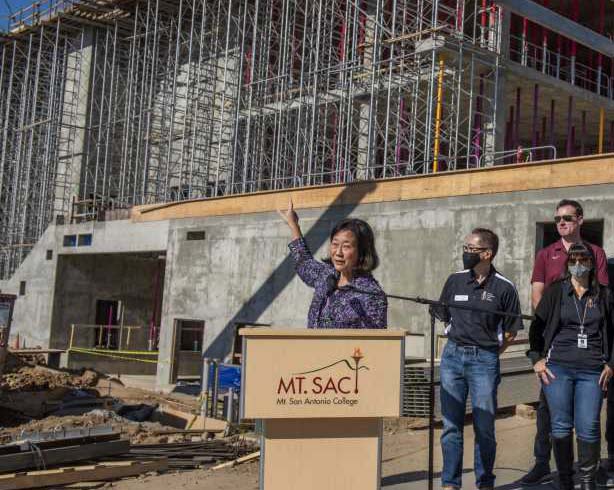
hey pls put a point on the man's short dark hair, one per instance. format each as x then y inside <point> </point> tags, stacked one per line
<point>489,238</point>
<point>573,204</point>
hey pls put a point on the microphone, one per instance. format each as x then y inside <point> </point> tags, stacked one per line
<point>360,311</point>
<point>331,284</point>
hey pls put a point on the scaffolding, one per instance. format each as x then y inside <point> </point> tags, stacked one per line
<point>116,103</point>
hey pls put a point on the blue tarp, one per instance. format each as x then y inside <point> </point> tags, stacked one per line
<point>229,377</point>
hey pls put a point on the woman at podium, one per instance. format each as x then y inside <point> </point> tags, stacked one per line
<point>346,294</point>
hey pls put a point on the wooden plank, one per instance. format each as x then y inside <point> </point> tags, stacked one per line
<point>62,455</point>
<point>64,476</point>
<point>29,352</point>
<point>242,459</point>
<point>324,332</point>
<point>570,172</point>
<point>68,437</point>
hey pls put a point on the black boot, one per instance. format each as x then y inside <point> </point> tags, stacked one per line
<point>563,455</point>
<point>605,478</point>
<point>540,473</point>
<point>589,455</point>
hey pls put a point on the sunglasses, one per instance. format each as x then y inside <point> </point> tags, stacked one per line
<point>568,218</point>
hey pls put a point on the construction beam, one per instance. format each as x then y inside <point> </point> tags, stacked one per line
<point>553,174</point>
<point>62,455</point>
<point>77,474</point>
<point>559,24</point>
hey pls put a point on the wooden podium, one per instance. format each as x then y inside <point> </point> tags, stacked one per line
<point>322,395</point>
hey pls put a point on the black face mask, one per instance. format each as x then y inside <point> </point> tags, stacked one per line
<point>470,259</point>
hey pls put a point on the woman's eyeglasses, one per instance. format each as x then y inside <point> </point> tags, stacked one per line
<point>568,218</point>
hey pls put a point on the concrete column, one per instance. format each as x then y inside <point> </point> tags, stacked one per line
<point>364,129</point>
<point>502,108</point>
<point>166,343</point>
<point>74,119</point>
<point>362,160</point>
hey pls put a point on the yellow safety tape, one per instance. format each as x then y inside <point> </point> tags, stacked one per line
<point>94,353</point>
<point>113,351</point>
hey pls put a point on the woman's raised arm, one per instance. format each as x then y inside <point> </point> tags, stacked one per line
<point>308,268</point>
<point>291,219</point>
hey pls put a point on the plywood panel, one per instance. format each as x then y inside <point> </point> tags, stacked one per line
<point>322,454</point>
<point>510,178</point>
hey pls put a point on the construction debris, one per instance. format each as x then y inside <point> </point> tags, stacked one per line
<point>32,457</point>
<point>191,455</point>
<point>39,378</point>
<point>169,415</point>
<point>55,418</point>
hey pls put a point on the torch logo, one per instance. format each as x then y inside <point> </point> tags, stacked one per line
<point>357,357</point>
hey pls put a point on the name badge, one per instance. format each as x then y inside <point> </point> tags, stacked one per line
<point>582,341</point>
<point>461,297</point>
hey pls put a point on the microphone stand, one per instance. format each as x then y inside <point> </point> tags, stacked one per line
<point>440,304</point>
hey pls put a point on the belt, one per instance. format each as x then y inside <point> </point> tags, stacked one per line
<point>473,348</point>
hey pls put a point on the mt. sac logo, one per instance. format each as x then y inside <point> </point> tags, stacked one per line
<point>305,383</point>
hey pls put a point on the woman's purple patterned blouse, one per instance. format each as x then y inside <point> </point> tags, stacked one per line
<point>344,307</point>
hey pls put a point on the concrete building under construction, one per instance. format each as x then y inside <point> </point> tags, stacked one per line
<point>145,145</point>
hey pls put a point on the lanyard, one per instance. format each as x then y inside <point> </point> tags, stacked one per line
<point>583,318</point>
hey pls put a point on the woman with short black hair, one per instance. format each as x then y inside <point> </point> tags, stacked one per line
<point>346,294</point>
<point>571,350</point>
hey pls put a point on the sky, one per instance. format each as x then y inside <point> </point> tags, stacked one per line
<point>6,6</point>
<point>13,4</point>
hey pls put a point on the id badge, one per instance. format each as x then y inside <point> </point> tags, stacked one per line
<point>582,341</point>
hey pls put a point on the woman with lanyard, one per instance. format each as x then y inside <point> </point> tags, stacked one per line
<point>570,347</point>
<point>346,294</point>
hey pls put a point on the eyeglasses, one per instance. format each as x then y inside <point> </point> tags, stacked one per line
<point>471,248</point>
<point>568,218</point>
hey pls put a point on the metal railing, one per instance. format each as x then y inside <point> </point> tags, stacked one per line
<point>561,67</point>
<point>38,11</point>
<point>526,154</point>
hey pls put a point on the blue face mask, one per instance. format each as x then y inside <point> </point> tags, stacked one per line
<point>578,270</point>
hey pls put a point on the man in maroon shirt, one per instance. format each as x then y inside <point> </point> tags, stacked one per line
<point>549,266</point>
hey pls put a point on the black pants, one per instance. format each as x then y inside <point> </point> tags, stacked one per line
<point>609,421</point>
<point>543,444</point>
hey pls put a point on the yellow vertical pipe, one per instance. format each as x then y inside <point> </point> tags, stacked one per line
<point>601,128</point>
<point>438,116</point>
<point>72,335</point>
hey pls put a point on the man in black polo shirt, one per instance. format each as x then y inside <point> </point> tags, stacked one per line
<point>470,360</point>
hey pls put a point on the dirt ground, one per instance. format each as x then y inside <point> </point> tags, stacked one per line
<point>29,392</point>
<point>404,459</point>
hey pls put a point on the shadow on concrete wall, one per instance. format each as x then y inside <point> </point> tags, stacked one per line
<point>270,289</point>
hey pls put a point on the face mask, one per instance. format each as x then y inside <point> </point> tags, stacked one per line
<point>578,270</point>
<point>470,259</point>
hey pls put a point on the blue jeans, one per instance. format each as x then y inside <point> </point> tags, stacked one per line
<point>574,398</point>
<point>475,371</point>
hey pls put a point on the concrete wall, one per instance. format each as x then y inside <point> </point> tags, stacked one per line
<point>32,314</point>
<point>241,271</point>
<point>33,311</point>
<point>84,279</point>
